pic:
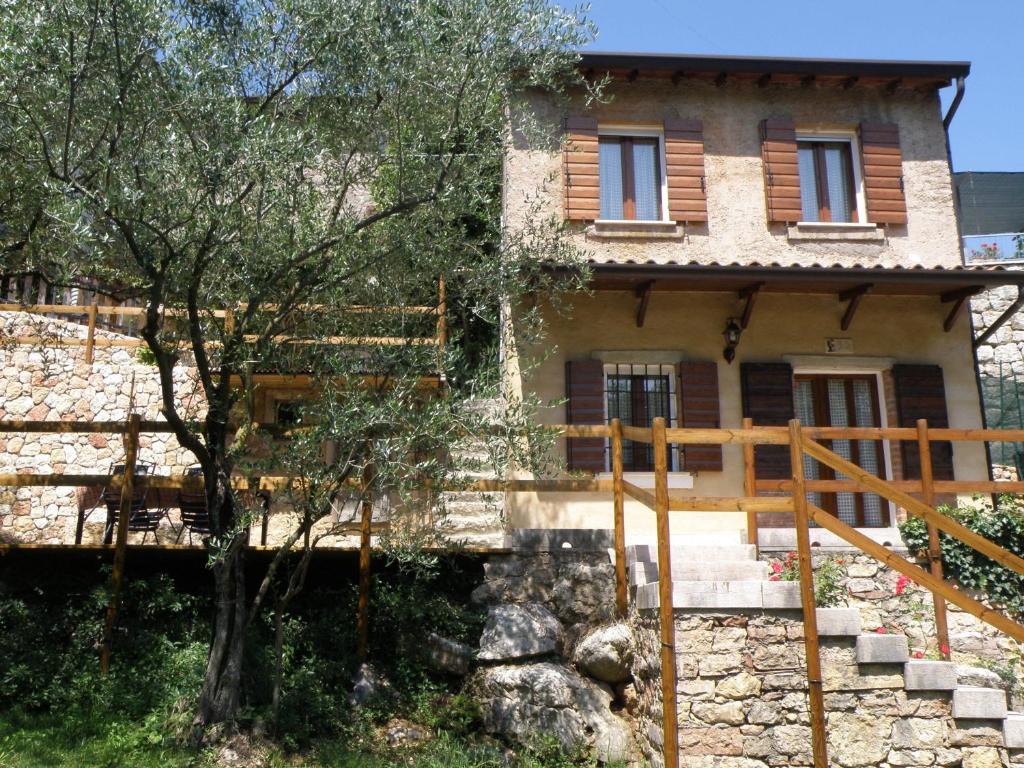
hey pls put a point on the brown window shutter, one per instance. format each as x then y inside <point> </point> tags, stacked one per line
<point>883,173</point>
<point>768,400</point>
<point>921,394</point>
<point>684,170</point>
<point>584,390</point>
<point>698,407</point>
<point>579,171</point>
<point>781,170</point>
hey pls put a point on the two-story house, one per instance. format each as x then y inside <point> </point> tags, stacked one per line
<point>768,238</point>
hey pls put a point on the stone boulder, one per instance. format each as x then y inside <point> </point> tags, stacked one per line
<point>979,677</point>
<point>448,656</point>
<point>606,654</point>
<point>519,632</point>
<point>585,592</point>
<point>526,701</point>
<point>368,685</point>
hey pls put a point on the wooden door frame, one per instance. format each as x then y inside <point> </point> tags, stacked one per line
<point>822,417</point>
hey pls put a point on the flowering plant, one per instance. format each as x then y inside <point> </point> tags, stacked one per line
<point>827,589</point>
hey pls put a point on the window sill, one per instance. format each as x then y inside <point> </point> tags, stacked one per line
<point>649,230</point>
<point>677,480</point>
<point>813,230</point>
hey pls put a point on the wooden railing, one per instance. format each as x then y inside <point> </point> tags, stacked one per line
<point>91,312</point>
<point>802,441</point>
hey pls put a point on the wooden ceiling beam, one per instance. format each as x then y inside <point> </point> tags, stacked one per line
<point>643,292</point>
<point>958,298</point>
<point>749,293</point>
<point>853,296</point>
<point>960,293</point>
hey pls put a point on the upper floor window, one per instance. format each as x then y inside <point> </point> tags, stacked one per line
<point>829,181</point>
<point>631,177</point>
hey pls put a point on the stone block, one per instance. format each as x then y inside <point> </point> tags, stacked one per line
<point>780,594</point>
<point>918,733</point>
<point>1013,730</point>
<point>838,622</point>
<point>930,676</point>
<point>979,703</point>
<point>882,649</point>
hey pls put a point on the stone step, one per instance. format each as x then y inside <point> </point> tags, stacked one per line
<point>1013,730</point>
<point>723,594</point>
<point>838,622</point>
<point>685,553</point>
<point>643,572</point>
<point>970,703</point>
<point>717,538</point>
<point>882,649</point>
<point>929,676</point>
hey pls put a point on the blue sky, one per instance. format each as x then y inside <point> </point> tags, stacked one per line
<point>988,131</point>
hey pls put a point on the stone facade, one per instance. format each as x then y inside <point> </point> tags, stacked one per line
<point>55,383</point>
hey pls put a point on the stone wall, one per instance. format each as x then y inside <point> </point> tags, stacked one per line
<point>55,383</point>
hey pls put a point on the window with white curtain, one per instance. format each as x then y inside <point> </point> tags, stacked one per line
<point>630,177</point>
<point>828,180</point>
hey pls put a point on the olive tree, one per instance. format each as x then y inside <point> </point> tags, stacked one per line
<point>308,164</point>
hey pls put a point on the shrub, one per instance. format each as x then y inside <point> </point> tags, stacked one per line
<point>1004,526</point>
<point>828,592</point>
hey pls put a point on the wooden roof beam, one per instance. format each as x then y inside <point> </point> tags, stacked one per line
<point>750,294</point>
<point>853,296</point>
<point>958,298</point>
<point>643,292</point>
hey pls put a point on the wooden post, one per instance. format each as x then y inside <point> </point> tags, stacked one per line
<point>90,333</point>
<point>131,454</point>
<point>669,703</point>
<point>229,322</point>
<point>621,588</point>
<point>363,606</point>
<point>750,484</point>
<point>924,450</point>
<point>803,545</point>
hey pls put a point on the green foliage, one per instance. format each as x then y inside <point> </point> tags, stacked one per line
<point>828,589</point>
<point>971,569</point>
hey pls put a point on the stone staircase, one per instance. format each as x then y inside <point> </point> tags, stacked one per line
<point>474,518</point>
<point>714,573</point>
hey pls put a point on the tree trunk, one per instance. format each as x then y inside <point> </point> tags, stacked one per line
<point>220,697</point>
<point>275,696</point>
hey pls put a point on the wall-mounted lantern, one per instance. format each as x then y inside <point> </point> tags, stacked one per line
<point>731,334</point>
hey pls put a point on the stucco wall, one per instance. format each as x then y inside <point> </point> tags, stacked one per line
<point>736,230</point>
<point>886,329</point>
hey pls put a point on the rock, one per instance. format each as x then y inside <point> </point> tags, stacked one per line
<point>741,686</point>
<point>918,733</point>
<point>764,713</point>
<point>714,714</point>
<point>791,739</point>
<point>858,740</point>
<point>914,758</point>
<point>368,685</point>
<point>401,734</point>
<point>982,757</point>
<point>520,702</point>
<point>605,654</point>
<point>519,631</point>
<point>444,655</point>
<point>861,570</point>
<point>978,677</point>
<point>585,592</point>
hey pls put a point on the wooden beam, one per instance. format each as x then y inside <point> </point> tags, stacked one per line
<point>750,484</point>
<point>731,504</point>
<point>954,313</point>
<point>960,293</point>
<point>619,518</point>
<point>924,450</point>
<point>913,506</point>
<point>643,292</point>
<point>666,614</point>
<point>914,573</point>
<point>815,695</point>
<point>853,296</point>
<point>750,293</point>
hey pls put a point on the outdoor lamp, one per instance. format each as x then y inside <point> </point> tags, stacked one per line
<point>731,334</point>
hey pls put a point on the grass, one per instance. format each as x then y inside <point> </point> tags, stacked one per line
<point>47,741</point>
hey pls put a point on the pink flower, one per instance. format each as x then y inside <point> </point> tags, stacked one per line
<point>918,654</point>
<point>776,567</point>
<point>880,631</point>
<point>944,649</point>
<point>774,577</point>
<point>901,584</point>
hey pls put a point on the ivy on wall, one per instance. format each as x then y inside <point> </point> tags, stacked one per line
<point>1003,526</point>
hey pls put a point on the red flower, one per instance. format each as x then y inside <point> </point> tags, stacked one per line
<point>880,631</point>
<point>776,567</point>
<point>944,649</point>
<point>901,584</point>
<point>918,654</point>
<point>774,577</point>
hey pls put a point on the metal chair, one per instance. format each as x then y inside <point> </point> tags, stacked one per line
<point>140,517</point>
<point>194,514</point>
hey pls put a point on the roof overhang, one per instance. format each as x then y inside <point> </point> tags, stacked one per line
<point>845,71</point>
<point>802,279</point>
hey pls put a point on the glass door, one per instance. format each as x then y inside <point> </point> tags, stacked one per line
<point>841,400</point>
